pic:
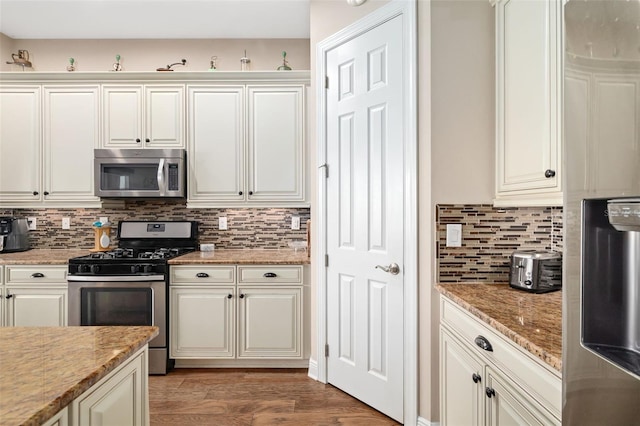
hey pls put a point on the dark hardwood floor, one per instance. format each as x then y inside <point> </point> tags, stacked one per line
<point>257,397</point>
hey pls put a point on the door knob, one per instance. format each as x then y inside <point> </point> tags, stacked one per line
<point>392,269</point>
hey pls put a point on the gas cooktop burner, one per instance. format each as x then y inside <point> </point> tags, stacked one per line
<point>129,253</point>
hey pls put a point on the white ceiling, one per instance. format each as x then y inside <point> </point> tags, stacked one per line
<point>153,19</point>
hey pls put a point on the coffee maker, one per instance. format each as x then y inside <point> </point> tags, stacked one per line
<point>14,234</point>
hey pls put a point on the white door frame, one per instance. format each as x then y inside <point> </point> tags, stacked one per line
<point>408,10</point>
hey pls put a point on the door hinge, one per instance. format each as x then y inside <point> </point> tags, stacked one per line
<point>325,166</point>
<point>326,260</point>
<point>326,82</point>
<point>326,350</point>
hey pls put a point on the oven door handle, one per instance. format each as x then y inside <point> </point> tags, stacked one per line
<point>114,278</point>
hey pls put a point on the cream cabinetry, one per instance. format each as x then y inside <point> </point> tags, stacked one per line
<point>529,51</point>
<point>120,398</point>
<point>43,130</point>
<point>35,295</point>
<point>258,315</point>
<point>60,419</point>
<point>498,383</point>
<point>143,116</point>
<point>246,145</point>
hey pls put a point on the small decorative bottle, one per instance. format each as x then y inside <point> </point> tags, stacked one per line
<point>71,66</point>
<point>116,65</point>
<point>285,65</point>
<point>244,62</point>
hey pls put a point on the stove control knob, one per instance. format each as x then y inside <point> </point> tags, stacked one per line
<point>83,268</point>
<point>95,269</point>
<point>147,269</point>
<point>135,269</point>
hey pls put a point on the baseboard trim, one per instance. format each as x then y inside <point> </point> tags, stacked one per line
<point>424,422</point>
<point>313,369</point>
<point>241,363</point>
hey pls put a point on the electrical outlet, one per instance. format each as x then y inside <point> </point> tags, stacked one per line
<point>295,223</point>
<point>66,223</point>
<point>222,223</point>
<point>32,221</point>
<point>104,219</point>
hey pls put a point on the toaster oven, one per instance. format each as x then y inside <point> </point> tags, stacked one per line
<point>536,271</point>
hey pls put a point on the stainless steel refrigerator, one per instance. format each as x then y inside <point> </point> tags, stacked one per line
<point>601,288</point>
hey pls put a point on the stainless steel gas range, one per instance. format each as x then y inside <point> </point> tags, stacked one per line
<point>129,285</point>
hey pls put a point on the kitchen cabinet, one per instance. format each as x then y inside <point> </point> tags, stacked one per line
<point>497,384</point>
<point>246,145</point>
<point>216,316</point>
<point>43,130</point>
<point>529,52</point>
<point>143,116</point>
<point>121,398</point>
<point>60,419</point>
<point>35,295</point>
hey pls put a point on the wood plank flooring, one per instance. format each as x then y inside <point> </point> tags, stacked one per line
<point>256,397</point>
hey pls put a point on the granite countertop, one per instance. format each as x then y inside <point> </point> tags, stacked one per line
<point>41,256</point>
<point>45,368</point>
<point>533,321</point>
<point>243,257</point>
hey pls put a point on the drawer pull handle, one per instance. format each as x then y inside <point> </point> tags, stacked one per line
<point>549,173</point>
<point>476,378</point>
<point>202,275</point>
<point>483,343</point>
<point>490,392</point>
<point>9,296</point>
<point>270,275</point>
<point>37,275</point>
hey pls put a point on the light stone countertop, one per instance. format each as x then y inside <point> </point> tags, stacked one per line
<point>243,257</point>
<point>533,321</point>
<point>45,368</point>
<point>42,256</point>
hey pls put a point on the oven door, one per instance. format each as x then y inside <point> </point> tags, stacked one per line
<point>119,300</point>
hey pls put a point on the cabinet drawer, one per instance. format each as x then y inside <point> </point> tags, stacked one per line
<point>521,367</point>
<point>270,274</point>
<point>36,274</point>
<point>199,274</point>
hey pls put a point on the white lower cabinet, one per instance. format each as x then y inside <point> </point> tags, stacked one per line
<point>120,398</point>
<point>60,419</point>
<point>213,316</point>
<point>35,296</point>
<point>503,386</point>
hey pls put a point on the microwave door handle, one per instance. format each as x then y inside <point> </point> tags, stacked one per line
<point>161,183</point>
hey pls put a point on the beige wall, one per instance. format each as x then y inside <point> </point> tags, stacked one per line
<point>147,55</point>
<point>6,49</point>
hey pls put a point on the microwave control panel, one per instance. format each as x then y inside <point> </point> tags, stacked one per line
<point>174,177</point>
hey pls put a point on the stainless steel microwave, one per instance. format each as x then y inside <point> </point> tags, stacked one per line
<point>142,173</point>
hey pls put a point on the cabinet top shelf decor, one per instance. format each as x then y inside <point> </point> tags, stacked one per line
<point>242,77</point>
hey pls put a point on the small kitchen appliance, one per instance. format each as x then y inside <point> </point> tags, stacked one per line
<point>536,271</point>
<point>129,285</point>
<point>14,234</point>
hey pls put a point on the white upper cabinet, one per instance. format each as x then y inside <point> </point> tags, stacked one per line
<point>529,52</point>
<point>143,116</point>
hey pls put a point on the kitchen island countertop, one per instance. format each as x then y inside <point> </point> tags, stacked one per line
<point>46,368</point>
<point>533,321</point>
<point>42,256</point>
<point>243,257</point>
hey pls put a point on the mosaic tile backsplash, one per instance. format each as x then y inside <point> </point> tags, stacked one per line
<point>255,228</point>
<point>489,236</point>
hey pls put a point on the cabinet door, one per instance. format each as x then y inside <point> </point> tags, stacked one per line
<point>506,405</point>
<point>276,143</point>
<point>122,112</point>
<point>36,306</point>
<point>216,143</point>
<point>202,322</point>
<point>164,117</point>
<point>20,144</point>
<point>529,59</point>
<point>269,322</point>
<point>71,132</point>
<point>120,400</point>
<point>461,390</point>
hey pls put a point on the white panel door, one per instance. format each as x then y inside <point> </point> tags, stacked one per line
<point>43,307</point>
<point>20,144</point>
<point>276,143</point>
<point>122,112</point>
<point>71,132</point>
<point>216,143</point>
<point>365,216</point>
<point>164,117</point>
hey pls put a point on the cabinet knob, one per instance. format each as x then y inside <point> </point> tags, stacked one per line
<point>138,140</point>
<point>490,392</point>
<point>240,193</point>
<point>35,192</point>
<point>270,275</point>
<point>250,192</point>
<point>46,192</point>
<point>483,343</point>
<point>476,378</point>
<point>242,296</point>
<point>202,275</point>
<point>229,296</point>
<point>37,275</point>
<point>147,140</point>
<point>549,173</point>
<point>9,296</point>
